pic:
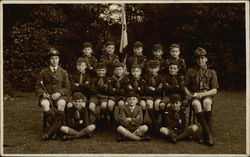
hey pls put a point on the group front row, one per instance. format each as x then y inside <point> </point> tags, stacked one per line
<point>127,99</point>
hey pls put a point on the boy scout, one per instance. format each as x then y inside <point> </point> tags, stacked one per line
<point>174,83</point>
<point>174,125</point>
<point>77,120</point>
<point>131,120</point>
<point>109,57</point>
<point>174,51</point>
<point>87,54</point>
<point>136,84</point>
<point>138,57</point>
<point>99,90</point>
<point>80,80</point>
<point>202,85</point>
<point>117,90</point>
<point>157,53</point>
<point>153,91</point>
<point>53,87</point>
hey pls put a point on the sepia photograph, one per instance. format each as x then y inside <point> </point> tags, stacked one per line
<point>124,78</point>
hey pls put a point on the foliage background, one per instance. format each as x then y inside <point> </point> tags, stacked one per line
<point>29,30</point>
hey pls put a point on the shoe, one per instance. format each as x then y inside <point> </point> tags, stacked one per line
<point>120,139</point>
<point>88,136</point>
<point>209,141</point>
<point>145,138</point>
<point>173,139</point>
<point>54,137</point>
<point>66,137</point>
<point>45,137</point>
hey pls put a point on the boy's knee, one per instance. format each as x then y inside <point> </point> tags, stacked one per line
<point>61,104</point>
<point>207,104</point>
<point>121,103</point>
<point>92,107</point>
<point>91,127</point>
<point>162,106</point>
<point>45,105</point>
<point>104,105</point>
<point>64,129</point>
<point>193,128</point>
<point>143,104</point>
<point>144,128</point>
<point>120,129</point>
<point>164,130</point>
<point>150,104</point>
<point>197,106</point>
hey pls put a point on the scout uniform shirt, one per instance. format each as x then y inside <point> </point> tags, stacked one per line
<point>140,60</point>
<point>174,84</point>
<point>119,85</point>
<point>138,86</point>
<point>54,81</point>
<point>181,63</point>
<point>135,114</point>
<point>162,64</point>
<point>201,79</point>
<point>155,82</point>
<point>175,121</point>
<point>83,80</point>
<point>74,116</point>
<point>109,60</point>
<point>99,85</point>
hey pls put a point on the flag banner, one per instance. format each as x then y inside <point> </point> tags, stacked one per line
<point>124,36</point>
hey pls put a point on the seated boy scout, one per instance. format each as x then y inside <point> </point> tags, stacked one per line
<point>131,120</point>
<point>53,88</point>
<point>202,85</point>
<point>174,125</point>
<point>77,119</point>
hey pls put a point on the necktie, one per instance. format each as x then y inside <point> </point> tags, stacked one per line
<point>54,70</point>
<point>100,82</point>
<point>77,114</point>
<point>80,79</point>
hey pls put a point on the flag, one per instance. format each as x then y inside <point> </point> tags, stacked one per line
<point>124,35</point>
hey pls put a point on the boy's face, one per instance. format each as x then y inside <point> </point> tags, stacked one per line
<point>54,61</point>
<point>138,51</point>
<point>132,101</point>
<point>101,72</point>
<point>110,49</point>
<point>175,52</point>
<point>136,72</point>
<point>202,60</point>
<point>173,69</point>
<point>176,105</point>
<point>119,71</point>
<point>81,66</point>
<point>78,103</point>
<point>87,51</point>
<point>154,70</point>
<point>158,53</point>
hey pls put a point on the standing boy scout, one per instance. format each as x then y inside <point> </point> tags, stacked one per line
<point>174,51</point>
<point>87,54</point>
<point>77,120</point>
<point>202,85</point>
<point>157,53</point>
<point>131,120</point>
<point>109,57</point>
<point>174,125</point>
<point>53,87</point>
<point>138,57</point>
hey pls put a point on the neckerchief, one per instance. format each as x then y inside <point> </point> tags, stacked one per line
<point>100,82</point>
<point>117,81</point>
<point>135,82</point>
<point>152,80</point>
<point>200,75</point>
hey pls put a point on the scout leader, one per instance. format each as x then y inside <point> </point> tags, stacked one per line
<point>53,87</point>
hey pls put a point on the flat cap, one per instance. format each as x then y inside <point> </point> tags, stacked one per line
<point>132,94</point>
<point>135,66</point>
<point>174,46</point>
<point>77,96</point>
<point>200,52</point>
<point>101,65</point>
<point>153,63</point>
<point>86,44</point>
<point>157,47</point>
<point>138,44</point>
<point>175,97</point>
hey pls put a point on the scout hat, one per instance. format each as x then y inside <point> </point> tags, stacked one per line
<point>138,44</point>
<point>100,66</point>
<point>132,94</point>
<point>174,98</point>
<point>86,44</point>
<point>200,52</point>
<point>157,47</point>
<point>53,52</point>
<point>77,96</point>
<point>174,45</point>
<point>153,63</point>
<point>80,60</point>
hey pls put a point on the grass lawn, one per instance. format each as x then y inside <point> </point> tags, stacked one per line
<point>23,130</point>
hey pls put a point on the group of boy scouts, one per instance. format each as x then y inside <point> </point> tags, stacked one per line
<point>134,96</point>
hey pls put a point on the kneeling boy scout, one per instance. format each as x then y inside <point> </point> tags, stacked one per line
<point>53,88</point>
<point>131,120</point>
